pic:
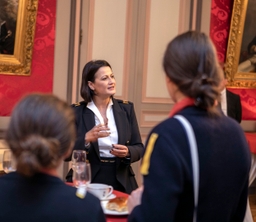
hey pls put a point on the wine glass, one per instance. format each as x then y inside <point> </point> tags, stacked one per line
<point>87,175</point>
<point>77,157</point>
<point>81,174</point>
<point>9,163</point>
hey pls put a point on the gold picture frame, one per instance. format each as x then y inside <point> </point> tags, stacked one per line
<point>19,63</point>
<point>239,65</point>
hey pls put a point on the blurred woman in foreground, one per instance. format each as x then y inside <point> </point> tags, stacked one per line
<point>41,135</point>
<point>193,78</point>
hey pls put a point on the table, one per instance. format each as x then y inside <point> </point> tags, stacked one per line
<point>113,218</point>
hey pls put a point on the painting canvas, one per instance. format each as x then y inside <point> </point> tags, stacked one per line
<point>241,52</point>
<point>248,44</point>
<point>8,21</point>
<point>17,28</point>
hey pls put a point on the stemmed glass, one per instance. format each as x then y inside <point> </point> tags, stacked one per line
<point>9,163</point>
<point>87,175</point>
<point>81,169</point>
<point>81,174</point>
<point>78,156</point>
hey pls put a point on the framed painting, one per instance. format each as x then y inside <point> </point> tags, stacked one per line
<point>240,65</point>
<point>17,28</point>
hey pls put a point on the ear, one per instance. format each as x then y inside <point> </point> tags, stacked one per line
<point>167,79</point>
<point>169,82</point>
<point>171,87</point>
<point>91,85</point>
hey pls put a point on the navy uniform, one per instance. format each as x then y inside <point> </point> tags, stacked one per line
<point>44,198</point>
<point>128,135</point>
<point>224,162</point>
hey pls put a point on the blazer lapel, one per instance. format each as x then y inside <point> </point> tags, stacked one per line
<point>88,119</point>
<point>120,118</point>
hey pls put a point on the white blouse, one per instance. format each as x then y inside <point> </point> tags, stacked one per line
<point>105,143</point>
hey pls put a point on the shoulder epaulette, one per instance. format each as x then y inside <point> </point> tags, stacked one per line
<point>77,104</point>
<point>81,192</point>
<point>122,101</point>
<point>144,169</point>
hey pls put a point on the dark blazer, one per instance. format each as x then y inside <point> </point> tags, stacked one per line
<point>234,108</point>
<point>44,198</point>
<point>224,162</point>
<point>128,134</point>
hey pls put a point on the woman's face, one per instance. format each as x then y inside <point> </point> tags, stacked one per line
<point>105,83</point>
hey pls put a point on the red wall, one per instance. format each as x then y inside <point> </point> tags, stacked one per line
<point>219,27</point>
<point>221,12</point>
<point>12,88</point>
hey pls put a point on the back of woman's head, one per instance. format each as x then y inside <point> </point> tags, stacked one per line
<point>89,72</point>
<point>190,62</point>
<point>41,132</point>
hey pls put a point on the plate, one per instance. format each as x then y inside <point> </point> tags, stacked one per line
<point>110,197</point>
<point>111,212</point>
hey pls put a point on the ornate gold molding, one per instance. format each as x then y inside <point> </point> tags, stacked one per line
<point>236,78</point>
<point>20,62</point>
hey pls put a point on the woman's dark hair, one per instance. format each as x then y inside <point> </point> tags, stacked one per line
<point>190,62</point>
<point>40,133</point>
<point>89,75</point>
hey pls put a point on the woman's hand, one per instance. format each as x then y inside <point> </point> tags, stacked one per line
<point>96,132</point>
<point>135,198</point>
<point>120,150</point>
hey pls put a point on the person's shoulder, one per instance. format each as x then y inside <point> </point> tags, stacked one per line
<point>7,176</point>
<point>124,102</point>
<point>78,200</point>
<point>78,105</point>
<point>231,93</point>
<point>228,126</point>
<point>4,177</point>
<point>167,126</point>
<point>76,194</point>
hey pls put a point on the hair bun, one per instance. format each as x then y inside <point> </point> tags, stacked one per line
<point>36,152</point>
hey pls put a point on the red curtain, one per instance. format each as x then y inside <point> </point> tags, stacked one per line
<point>221,12</point>
<point>12,88</point>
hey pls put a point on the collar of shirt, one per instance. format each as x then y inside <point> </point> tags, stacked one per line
<point>105,143</point>
<point>181,105</point>
<point>95,110</point>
